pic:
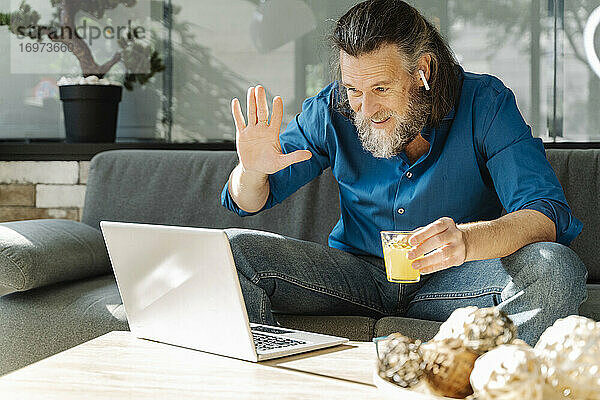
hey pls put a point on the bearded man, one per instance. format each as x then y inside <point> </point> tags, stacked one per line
<point>415,143</point>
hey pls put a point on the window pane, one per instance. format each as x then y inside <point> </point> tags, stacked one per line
<point>507,42</point>
<point>581,84</point>
<point>33,109</point>
<point>220,48</point>
<point>485,38</point>
<point>214,61</point>
<point>29,104</point>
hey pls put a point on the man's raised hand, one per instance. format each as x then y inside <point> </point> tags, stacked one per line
<point>257,142</point>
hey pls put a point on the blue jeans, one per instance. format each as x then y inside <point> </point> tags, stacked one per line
<point>535,285</point>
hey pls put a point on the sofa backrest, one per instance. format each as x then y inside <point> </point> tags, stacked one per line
<point>174,187</point>
<point>578,171</point>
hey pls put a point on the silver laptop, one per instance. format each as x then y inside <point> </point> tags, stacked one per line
<point>180,286</point>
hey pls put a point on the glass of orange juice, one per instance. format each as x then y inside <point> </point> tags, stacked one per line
<point>398,266</point>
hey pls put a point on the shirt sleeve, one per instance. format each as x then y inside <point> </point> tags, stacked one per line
<point>305,132</point>
<point>522,176</point>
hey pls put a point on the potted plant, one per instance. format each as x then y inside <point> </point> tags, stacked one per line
<point>91,101</point>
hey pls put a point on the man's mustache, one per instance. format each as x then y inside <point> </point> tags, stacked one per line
<point>361,118</point>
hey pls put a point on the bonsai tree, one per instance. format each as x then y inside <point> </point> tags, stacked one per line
<point>25,21</point>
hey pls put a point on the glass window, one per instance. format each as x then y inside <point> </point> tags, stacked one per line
<point>580,84</point>
<point>507,42</point>
<point>30,107</point>
<point>215,50</point>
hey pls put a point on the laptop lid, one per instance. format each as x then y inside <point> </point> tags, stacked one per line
<point>179,285</point>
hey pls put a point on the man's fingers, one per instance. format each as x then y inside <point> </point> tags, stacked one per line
<point>262,108</point>
<point>277,116</point>
<point>442,258</point>
<point>431,243</point>
<point>238,117</point>
<point>428,231</point>
<point>432,259</point>
<point>294,157</point>
<point>251,106</point>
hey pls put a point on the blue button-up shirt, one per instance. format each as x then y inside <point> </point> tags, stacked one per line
<point>481,158</point>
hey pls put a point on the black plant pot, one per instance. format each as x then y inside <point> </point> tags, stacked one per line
<point>90,112</point>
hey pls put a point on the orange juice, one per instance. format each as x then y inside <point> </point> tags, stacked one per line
<point>398,266</point>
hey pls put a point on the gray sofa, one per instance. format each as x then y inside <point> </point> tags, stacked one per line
<point>71,296</point>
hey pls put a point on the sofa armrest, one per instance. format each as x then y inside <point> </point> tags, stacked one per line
<point>40,252</point>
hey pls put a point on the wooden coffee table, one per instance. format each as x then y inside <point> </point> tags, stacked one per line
<point>120,366</point>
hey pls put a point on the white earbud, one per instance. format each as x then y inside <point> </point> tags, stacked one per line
<point>424,80</point>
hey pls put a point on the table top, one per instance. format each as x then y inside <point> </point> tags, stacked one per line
<point>118,365</point>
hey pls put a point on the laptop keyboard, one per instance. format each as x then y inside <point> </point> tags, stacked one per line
<point>267,342</point>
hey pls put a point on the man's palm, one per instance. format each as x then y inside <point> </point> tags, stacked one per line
<point>258,144</point>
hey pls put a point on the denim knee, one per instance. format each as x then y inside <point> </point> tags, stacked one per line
<point>249,240</point>
<point>242,243</point>
<point>236,234</point>
<point>558,266</point>
<point>245,234</point>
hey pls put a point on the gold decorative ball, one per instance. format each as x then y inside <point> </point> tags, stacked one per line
<point>448,366</point>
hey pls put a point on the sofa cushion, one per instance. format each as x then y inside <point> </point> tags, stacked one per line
<point>41,322</point>
<point>591,306</point>
<point>175,187</point>
<point>40,252</point>
<point>411,327</point>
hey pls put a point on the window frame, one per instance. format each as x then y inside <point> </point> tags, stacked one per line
<point>60,151</point>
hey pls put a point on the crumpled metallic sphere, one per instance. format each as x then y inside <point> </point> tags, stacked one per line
<point>569,351</point>
<point>509,372</point>
<point>480,329</point>
<point>400,360</point>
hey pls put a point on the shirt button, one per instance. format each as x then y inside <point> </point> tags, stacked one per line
<point>409,174</point>
<point>401,211</point>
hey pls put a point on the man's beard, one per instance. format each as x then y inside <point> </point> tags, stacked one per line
<point>384,144</point>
